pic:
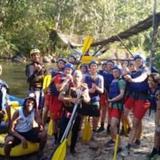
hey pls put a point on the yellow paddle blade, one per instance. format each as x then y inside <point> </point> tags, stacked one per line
<point>116,147</point>
<point>87,131</point>
<point>50,130</point>
<point>60,153</point>
<point>88,40</point>
<point>86,59</point>
<point>46,81</point>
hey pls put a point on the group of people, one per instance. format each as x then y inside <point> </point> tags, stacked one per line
<point>110,92</point>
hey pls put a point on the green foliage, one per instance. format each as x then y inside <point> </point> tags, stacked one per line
<point>25,24</point>
<point>157,61</point>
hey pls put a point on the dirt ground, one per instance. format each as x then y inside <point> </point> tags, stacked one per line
<point>95,149</point>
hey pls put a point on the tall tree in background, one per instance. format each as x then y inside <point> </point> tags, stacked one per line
<point>26,23</point>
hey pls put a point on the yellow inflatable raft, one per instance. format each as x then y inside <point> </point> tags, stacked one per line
<point>18,150</point>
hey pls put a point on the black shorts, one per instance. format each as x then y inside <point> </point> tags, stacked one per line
<point>3,127</point>
<point>91,109</point>
<point>32,136</point>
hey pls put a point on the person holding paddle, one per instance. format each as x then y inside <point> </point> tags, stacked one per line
<point>75,92</point>
<point>53,104</point>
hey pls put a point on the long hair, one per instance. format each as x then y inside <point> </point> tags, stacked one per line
<point>31,98</point>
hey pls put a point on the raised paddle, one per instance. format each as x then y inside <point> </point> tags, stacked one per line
<point>60,152</point>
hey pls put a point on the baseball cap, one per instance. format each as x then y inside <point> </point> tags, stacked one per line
<point>69,65</point>
<point>33,51</point>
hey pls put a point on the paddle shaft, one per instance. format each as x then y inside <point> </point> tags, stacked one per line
<point>68,128</point>
<point>125,46</point>
<point>70,123</point>
<point>117,142</point>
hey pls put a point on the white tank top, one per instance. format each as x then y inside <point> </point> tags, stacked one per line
<point>25,123</point>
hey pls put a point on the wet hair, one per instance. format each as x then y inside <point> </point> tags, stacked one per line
<point>62,60</point>
<point>93,62</point>
<point>85,66</point>
<point>30,98</point>
<point>110,61</point>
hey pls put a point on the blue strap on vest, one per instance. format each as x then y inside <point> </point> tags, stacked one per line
<point>114,89</point>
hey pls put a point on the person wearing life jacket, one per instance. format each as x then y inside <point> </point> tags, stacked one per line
<point>95,84</point>
<point>154,98</point>
<point>60,67</point>
<point>22,128</point>
<point>35,72</point>
<point>54,105</point>
<point>4,105</point>
<point>126,120</point>
<point>48,97</point>
<point>76,92</point>
<point>106,72</point>
<point>66,80</point>
<point>115,99</point>
<point>137,101</point>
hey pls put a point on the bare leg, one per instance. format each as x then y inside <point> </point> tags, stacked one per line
<point>8,146</point>
<point>139,131</point>
<point>45,115</point>
<point>43,140</point>
<point>134,132</point>
<point>103,116</point>
<point>114,127</point>
<point>8,110</point>
<point>95,122</point>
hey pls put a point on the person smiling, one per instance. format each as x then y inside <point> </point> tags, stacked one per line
<point>22,128</point>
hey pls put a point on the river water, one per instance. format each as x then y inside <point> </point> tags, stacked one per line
<point>14,75</point>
